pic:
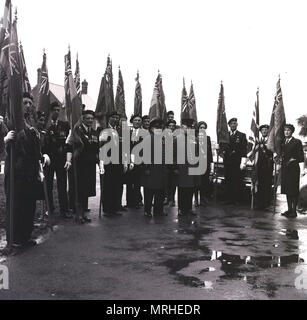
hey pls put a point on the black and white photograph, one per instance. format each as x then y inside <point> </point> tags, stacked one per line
<point>153,151</point>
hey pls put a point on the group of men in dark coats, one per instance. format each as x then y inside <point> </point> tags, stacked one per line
<point>44,148</point>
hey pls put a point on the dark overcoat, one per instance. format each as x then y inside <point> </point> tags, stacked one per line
<point>154,176</point>
<point>86,162</point>
<point>292,155</point>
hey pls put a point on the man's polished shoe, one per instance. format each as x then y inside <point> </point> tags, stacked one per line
<point>292,215</point>
<point>193,213</point>
<point>284,214</point>
<point>172,203</point>
<point>87,220</point>
<point>148,215</point>
<point>122,209</point>
<point>67,215</point>
<point>196,204</point>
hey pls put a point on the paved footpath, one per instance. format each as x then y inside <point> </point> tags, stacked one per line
<point>223,253</point>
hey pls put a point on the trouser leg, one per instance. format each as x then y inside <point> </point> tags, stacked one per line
<point>158,201</point>
<point>61,176</point>
<point>148,198</point>
<point>50,178</point>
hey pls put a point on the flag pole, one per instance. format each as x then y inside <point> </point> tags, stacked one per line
<point>275,187</point>
<point>12,195</point>
<point>216,175</point>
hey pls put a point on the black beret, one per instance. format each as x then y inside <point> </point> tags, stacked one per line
<point>232,120</point>
<point>156,122</point>
<point>187,122</point>
<point>40,114</point>
<point>88,112</point>
<point>266,126</point>
<point>135,116</point>
<point>202,122</point>
<point>54,104</point>
<point>171,121</point>
<point>114,114</point>
<point>145,118</point>
<point>290,126</point>
<point>27,95</point>
<point>170,113</point>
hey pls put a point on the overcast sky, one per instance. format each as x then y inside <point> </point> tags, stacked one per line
<point>245,43</point>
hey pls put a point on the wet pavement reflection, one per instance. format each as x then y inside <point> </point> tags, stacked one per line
<point>221,253</point>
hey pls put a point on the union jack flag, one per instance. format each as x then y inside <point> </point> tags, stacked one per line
<point>184,101</point>
<point>26,82</point>
<point>120,104</point>
<point>77,78</point>
<point>278,121</point>
<point>158,108</point>
<point>44,94</point>
<point>254,145</point>
<point>192,104</point>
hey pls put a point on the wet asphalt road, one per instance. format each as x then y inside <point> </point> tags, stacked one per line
<point>222,253</point>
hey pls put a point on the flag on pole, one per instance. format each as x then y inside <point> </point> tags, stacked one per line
<point>157,106</point>
<point>184,102</point>
<point>192,104</point>
<point>221,125</point>
<point>44,93</point>
<point>101,106</point>
<point>253,145</point>
<point>77,79</point>
<point>4,57</point>
<point>105,101</point>
<point>120,104</point>
<point>109,86</point>
<point>16,107</point>
<point>73,102</point>
<point>138,104</point>
<point>26,86</point>
<point>6,21</point>
<point>278,121</point>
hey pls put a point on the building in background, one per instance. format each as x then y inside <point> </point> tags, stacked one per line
<point>57,94</point>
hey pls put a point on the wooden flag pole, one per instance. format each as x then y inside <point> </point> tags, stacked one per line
<point>12,196</point>
<point>275,187</point>
<point>216,175</point>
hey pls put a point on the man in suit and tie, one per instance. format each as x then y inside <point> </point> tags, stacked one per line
<point>56,147</point>
<point>292,159</point>
<point>113,171</point>
<point>234,162</point>
<point>264,170</point>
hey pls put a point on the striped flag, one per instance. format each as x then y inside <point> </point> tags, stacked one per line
<point>157,106</point>
<point>73,102</point>
<point>253,145</point>
<point>120,104</point>
<point>221,124</point>
<point>184,102</point>
<point>278,121</point>
<point>138,104</point>
<point>192,104</point>
<point>44,93</point>
<point>77,79</point>
<point>26,86</point>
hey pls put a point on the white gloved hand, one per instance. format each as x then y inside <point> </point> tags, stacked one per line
<point>46,160</point>
<point>101,168</point>
<point>67,165</point>
<point>11,135</point>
